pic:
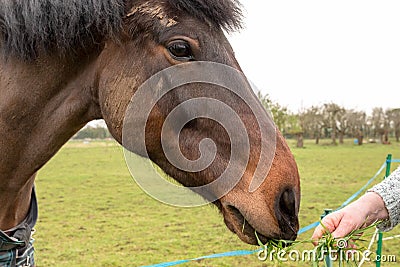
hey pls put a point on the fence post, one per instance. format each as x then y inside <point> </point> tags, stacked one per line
<point>328,258</point>
<point>380,234</point>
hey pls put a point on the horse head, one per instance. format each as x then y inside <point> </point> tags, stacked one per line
<point>177,35</point>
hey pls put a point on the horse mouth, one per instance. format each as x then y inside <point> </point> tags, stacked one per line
<point>238,224</point>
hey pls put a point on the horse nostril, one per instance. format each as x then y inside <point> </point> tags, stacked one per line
<point>286,213</point>
<point>287,203</point>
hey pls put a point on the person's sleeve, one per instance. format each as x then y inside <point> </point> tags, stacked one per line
<point>389,190</point>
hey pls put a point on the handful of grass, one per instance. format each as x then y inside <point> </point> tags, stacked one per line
<point>338,249</point>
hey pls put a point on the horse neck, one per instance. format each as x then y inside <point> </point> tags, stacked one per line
<point>42,104</point>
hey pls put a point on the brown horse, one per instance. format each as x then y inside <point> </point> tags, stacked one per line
<point>65,63</point>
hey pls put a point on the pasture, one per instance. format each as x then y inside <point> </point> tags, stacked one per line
<point>91,212</point>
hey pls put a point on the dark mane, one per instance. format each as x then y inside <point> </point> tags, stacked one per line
<point>31,27</point>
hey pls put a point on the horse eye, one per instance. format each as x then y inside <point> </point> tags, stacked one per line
<point>180,50</point>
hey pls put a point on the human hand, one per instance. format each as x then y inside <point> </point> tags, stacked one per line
<point>361,213</point>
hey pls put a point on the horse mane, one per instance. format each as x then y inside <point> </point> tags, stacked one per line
<point>31,27</point>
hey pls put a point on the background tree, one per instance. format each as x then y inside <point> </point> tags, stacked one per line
<point>357,122</point>
<point>377,122</point>
<point>330,120</point>
<point>394,118</point>
<point>294,127</point>
<point>279,113</point>
<point>312,122</point>
<point>331,115</point>
<point>380,125</point>
<point>342,123</point>
<point>90,132</point>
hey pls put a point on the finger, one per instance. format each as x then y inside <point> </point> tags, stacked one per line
<point>345,226</point>
<point>330,223</point>
<point>318,233</point>
<point>342,230</point>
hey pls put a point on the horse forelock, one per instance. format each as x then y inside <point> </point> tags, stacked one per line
<point>154,11</point>
<point>31,27</point>
<point>149,18</point>
<point>222,13</point>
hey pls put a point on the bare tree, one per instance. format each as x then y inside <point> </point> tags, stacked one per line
<point>312,121</point>
<point>332,114</point>
<point>396,120</point>
<point>380,125</point>
<point>342,123</point>
<point>294,127</point>
<point>357,124</point>
<point>393,115</point>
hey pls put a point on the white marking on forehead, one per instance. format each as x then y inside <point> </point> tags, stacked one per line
<point>154,11</point>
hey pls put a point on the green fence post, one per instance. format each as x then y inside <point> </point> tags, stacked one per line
<point>328,258</point>
<point>380,234</point>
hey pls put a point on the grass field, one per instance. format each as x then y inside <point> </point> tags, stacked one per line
<point>93,214</point>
